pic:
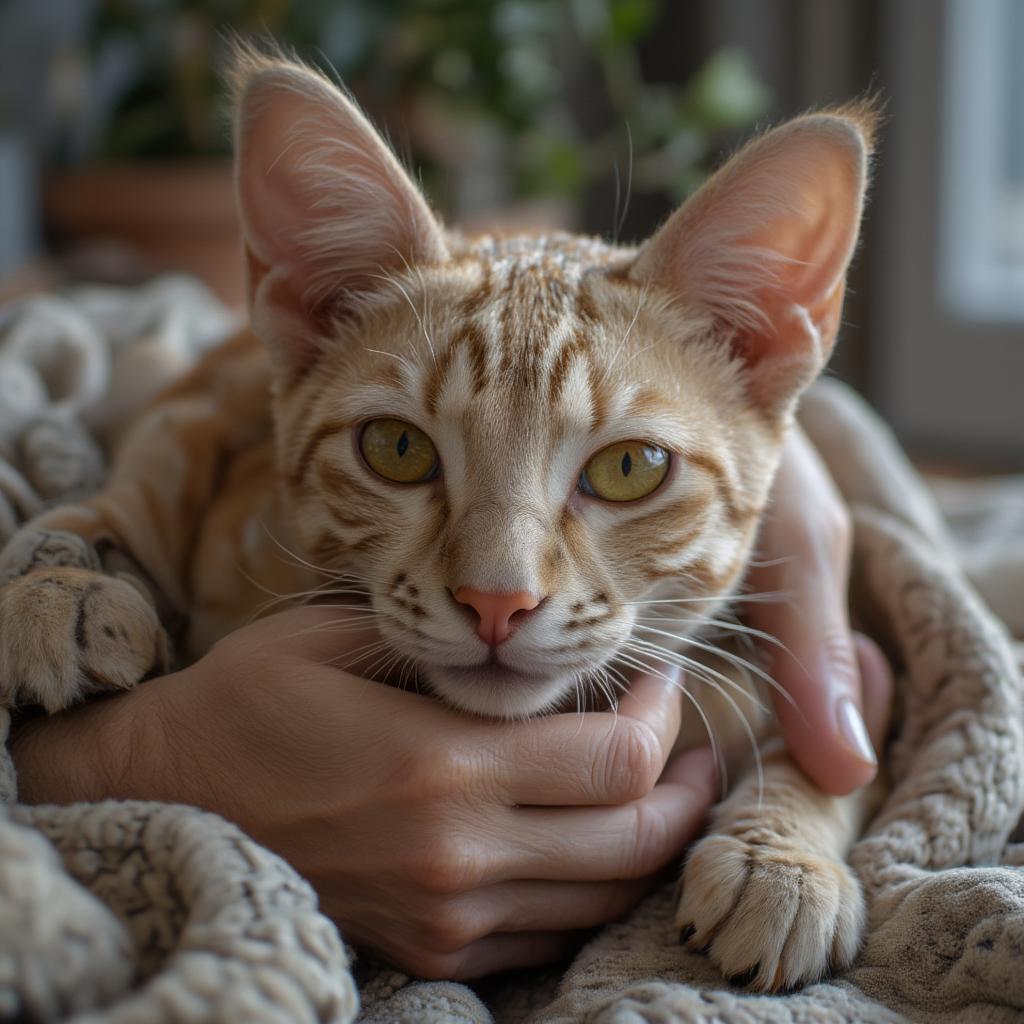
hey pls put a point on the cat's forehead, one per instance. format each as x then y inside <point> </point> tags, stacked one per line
<point>559,254</point>
<point>535,282</point>
<point>539,330</point>
<point>530,325</point>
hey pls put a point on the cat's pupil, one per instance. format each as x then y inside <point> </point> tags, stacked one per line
<point>403,444</point>
<point>627,464</point>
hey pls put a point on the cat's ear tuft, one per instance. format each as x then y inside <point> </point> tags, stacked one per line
<point>327,209</point>
<point>762,249</point>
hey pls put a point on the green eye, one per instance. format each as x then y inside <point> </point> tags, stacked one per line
<point>625,471</point>
<point>398,451</point>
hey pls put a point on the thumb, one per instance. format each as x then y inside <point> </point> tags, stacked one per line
<point>820,706</point>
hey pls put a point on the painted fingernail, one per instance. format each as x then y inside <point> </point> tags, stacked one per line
<point>854,732</point>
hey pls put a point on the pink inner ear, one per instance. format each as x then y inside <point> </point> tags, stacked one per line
<point>326,208</point>
<point>763,247</point>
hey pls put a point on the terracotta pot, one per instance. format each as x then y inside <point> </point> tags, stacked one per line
<point>174,215</point>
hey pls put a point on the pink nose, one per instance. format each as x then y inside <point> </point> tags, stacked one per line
<point>495,611</point>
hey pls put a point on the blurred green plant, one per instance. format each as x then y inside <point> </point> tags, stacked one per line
<point>508,87</point>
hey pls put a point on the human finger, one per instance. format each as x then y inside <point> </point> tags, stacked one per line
<point>608,757</point>
<point>817,668</point>
<point>502,952</point>
<point>876,688</point>
<point>593,844</point>
<point>560,906</point>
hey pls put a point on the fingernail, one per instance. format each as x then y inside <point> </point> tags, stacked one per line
<point>854,732</point>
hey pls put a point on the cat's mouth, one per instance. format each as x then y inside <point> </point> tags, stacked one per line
<point>493,670</point>
<point>498,690</point>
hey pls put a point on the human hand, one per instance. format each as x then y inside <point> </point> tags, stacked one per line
<point>837,680</point>
<point>453,846</point>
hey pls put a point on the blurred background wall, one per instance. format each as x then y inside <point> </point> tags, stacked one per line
<point>595,115</point>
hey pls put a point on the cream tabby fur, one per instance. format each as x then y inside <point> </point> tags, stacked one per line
<point>520,358</point>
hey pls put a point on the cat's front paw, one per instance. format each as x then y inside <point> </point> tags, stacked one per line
<point>772,916</point>
<point>66,632</point>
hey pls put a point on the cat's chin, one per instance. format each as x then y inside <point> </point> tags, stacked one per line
<point>498,692</point>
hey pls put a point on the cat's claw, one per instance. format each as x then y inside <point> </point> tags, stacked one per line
<point>744,978</point>
<point>772,917</point>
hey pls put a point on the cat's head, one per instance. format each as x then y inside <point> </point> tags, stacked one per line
<point>516,442</point>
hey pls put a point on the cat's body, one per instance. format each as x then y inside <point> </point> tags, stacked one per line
<point>508,447</point>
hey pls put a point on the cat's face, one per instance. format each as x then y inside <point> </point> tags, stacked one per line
<point>514,368</point>
<point>516,443</point>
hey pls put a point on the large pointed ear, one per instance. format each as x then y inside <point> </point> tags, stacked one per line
<point>763,247</point>
<point>327,210</point>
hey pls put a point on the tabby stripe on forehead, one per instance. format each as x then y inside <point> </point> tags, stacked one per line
<point>478,297</point>
<point>577,345</point>
<point>599,397</point>
<point>321,434</point>
<point>471,338</point>
<point>586,311</point>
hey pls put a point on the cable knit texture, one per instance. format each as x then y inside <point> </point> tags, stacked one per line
<point>144,912</point>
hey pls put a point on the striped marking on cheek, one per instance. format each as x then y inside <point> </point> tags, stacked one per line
<point>327,547</point>
<point>738,513</point>
<point>713,584</point>
<point>351,505</point>
<point>345,519</point>
<point>302,465</point>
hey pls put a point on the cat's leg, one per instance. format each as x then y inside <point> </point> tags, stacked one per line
<point>767,892</point>
<point>83,587</point>
<point>78,607</point>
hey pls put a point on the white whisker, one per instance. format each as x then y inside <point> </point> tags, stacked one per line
<point>730,656</point>
<point>708,675</point>
<point>716,751</point>
<point>395,283</point>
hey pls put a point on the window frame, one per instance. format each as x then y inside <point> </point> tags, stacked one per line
<point>948,381</point>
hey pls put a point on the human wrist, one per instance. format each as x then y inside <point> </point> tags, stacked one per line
<point>72,756</point>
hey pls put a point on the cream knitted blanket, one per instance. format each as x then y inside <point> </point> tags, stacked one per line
<point>132,912</point>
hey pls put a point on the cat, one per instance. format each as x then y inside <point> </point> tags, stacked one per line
<point>508,446</point>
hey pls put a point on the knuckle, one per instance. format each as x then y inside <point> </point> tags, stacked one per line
<point>438,771</point>
<point>651,846</point>
<point>838,528</point>
<point>447,865</point>
<point>432,966</point>
<point>631,765</point>
<point>823,526</point>
<point>837,644</point>
<point>830,529</point>
<point>451,927</point>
